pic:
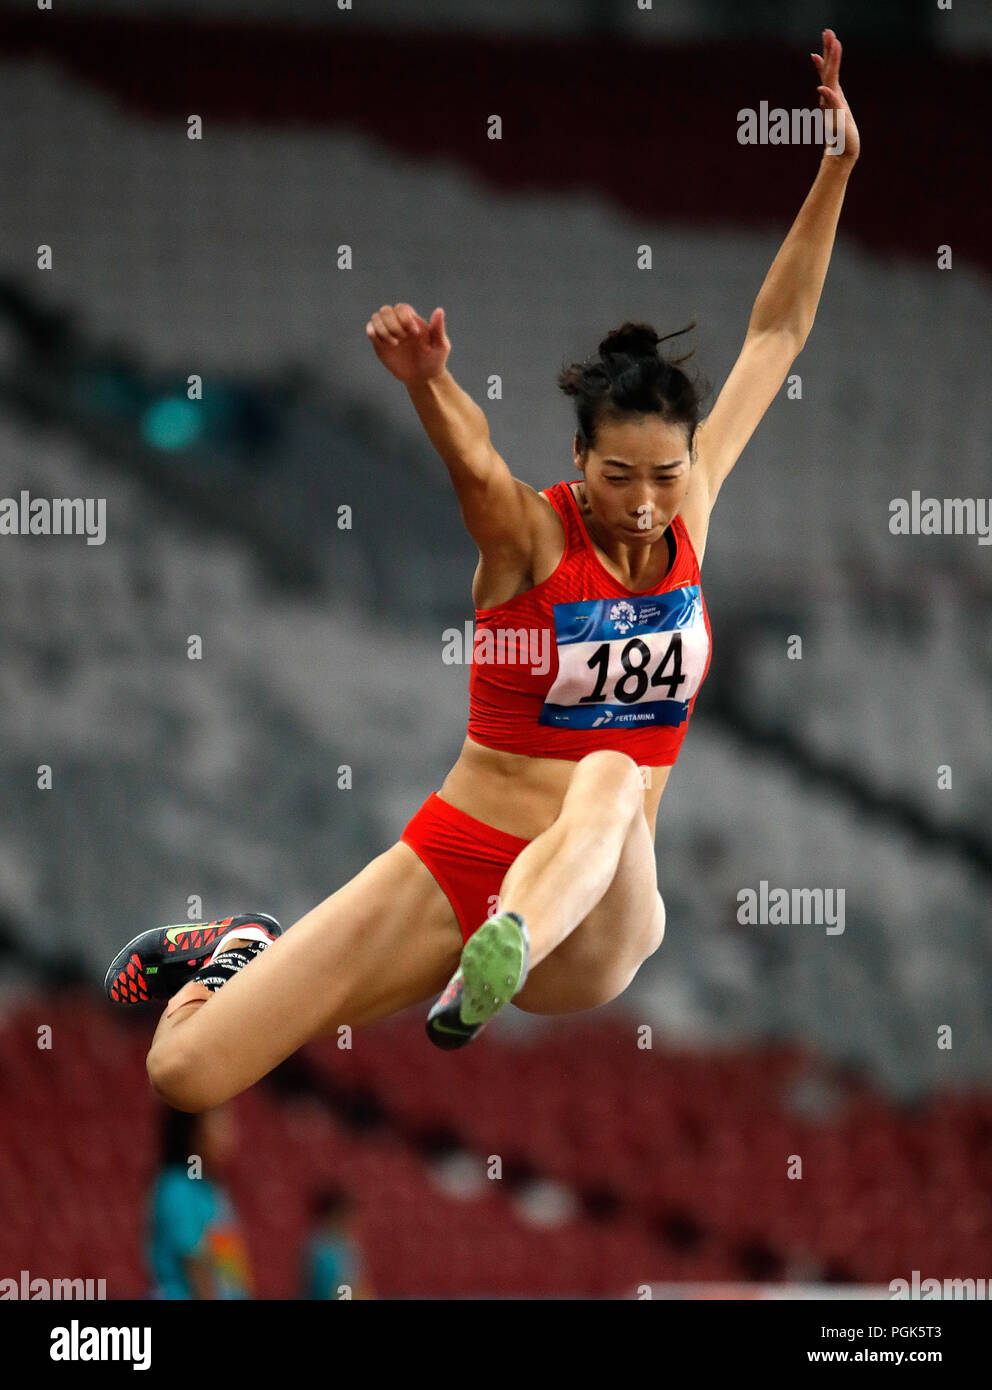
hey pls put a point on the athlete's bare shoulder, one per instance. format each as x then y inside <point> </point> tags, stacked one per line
<point>549,539</point>
<point>503,574</point>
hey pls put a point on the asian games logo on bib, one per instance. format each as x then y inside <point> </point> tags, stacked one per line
<point>627,662</point>
<point>622,616</point>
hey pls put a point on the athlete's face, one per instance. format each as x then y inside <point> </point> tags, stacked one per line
<point>637,476</point>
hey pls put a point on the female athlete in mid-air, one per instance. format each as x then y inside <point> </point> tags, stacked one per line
<point>531,874</point>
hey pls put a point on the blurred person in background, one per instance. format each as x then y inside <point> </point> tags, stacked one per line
<point>333,1265</point>
<point>196,1247</point>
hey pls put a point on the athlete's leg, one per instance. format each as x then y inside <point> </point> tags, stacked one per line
<point>563,873</point>
<point>587,889</point>
<point>384,941</point>
<point>598,960</point>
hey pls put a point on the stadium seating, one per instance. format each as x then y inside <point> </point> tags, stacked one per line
<point>692,1148</point>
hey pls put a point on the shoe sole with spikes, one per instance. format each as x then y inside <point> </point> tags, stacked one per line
<point>493,968</point>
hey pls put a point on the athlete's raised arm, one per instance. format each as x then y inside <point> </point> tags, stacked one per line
<point>499,510</point>
<point>785,308</point>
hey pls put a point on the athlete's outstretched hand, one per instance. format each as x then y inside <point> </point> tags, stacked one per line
<point>412,349</point>
<point>832,98</point>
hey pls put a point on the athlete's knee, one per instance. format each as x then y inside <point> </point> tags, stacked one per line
<point>178,1075</point>
<point>610,778</point>
<point>172,1073</point>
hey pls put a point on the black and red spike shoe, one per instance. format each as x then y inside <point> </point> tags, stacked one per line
<point>159,962</point>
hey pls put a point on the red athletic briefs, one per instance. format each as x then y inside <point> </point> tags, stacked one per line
<point>467,858</point>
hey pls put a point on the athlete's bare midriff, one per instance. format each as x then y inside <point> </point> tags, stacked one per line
<point>520,794</point>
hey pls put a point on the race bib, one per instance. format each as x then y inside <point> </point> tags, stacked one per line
<point>627,662</point>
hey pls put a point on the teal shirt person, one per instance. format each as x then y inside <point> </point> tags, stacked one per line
<point>333,1265</point>
<point>192,1218</point>
<point>332,1268</point>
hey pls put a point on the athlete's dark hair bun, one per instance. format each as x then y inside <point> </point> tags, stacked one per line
<point>630,377</point>
<point>632,340</point>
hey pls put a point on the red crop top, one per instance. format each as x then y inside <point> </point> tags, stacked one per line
<point>581,662</point>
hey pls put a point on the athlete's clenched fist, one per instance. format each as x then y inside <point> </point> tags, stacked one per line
<point>411,348</point>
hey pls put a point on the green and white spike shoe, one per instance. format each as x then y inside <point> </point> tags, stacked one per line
<point>493,968</point>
